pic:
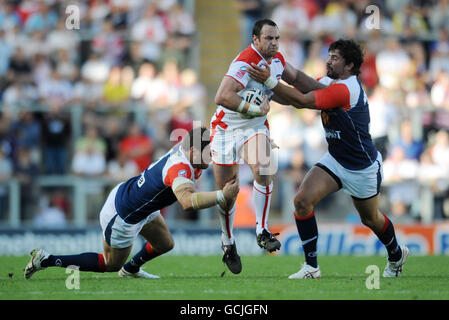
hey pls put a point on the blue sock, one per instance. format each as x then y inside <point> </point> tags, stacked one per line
<point>144,255</point>
<point>88,261</point>
<point>388,237</point>
<point>308,232</point>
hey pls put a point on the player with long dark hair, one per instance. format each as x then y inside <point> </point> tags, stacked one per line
<point>352,162</point>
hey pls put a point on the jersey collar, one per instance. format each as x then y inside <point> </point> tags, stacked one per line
<point>260,55</point>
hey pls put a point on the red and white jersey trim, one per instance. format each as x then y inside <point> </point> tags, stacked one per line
<point>343,93</point>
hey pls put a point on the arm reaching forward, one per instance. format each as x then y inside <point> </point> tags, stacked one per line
<point>184,191</point>
<point>322,97</point>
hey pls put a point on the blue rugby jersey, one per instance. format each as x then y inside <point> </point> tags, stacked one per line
<point>151,190</point>
<point>345,117</point>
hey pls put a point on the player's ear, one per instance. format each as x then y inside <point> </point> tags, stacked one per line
<point>254,38</point>
<point>349,67</point>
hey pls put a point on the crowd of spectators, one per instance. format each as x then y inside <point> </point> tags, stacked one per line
<point>125,64</point>
<point>127,67</point>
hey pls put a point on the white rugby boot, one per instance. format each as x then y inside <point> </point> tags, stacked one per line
<point>394,268</point>
<point>307,272</point>
<point>37,256</point>
<point>140,274</point>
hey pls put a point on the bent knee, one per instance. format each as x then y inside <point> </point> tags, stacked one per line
<point>303,205</point>
<point>371,222</point>
<point>167,246</point>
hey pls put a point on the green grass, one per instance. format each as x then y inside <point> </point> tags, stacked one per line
<point>263,277</point>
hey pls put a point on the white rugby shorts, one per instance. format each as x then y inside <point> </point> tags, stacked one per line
<point>116,232</point>
<point>360,184</point>
<point>229,136</point>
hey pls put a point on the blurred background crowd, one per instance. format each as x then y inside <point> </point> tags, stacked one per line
<point>102,101</point>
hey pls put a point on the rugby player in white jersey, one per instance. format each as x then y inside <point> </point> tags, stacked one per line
<point>133,207</point>
<point>352,162</point>
<point>240,131</point>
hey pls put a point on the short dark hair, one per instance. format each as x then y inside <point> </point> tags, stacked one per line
<point>259,25</point>
<point>351,52</point>
<point>198,138</point>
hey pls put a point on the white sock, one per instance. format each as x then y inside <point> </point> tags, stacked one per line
<point>261,199</point>
<point>227,224</point>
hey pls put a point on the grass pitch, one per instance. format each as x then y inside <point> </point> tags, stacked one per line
<point>263,278</point>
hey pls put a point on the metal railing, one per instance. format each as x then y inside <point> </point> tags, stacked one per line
<point>79,187</point>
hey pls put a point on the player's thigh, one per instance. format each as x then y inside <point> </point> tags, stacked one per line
<point>257,151</point>
<point>158,234</point>
<point>115,257</point>
<point>224,173</point>
<point>316,185</point>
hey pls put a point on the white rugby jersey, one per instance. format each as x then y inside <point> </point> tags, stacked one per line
<point>225,117</point>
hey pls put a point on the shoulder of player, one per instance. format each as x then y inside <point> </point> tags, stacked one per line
<point>353,86</point>
<point>352,83</point>
<point>278,57</point>
<point>176,159</point>
<point>175,169</point>
<point>324,80</point>
<point>249,55</point>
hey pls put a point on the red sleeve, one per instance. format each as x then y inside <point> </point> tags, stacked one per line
<point>248,56</point>
<point>175,171</point>
<point>336,95</point>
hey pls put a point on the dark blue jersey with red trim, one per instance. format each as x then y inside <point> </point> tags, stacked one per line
<point>345,117</point>
<point>152,189</point>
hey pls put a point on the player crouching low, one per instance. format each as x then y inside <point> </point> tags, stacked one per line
<point>133,207</point>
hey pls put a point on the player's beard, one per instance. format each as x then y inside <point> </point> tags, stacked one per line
<point>331,73</point>
<point>270,52</point>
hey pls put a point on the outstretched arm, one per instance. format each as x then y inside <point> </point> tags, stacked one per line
<point>286,95</point>
<point>336,95</point>
<point>184,191</point>
<point>300,80</point>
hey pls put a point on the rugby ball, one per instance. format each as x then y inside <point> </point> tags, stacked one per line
<point>252,96</point>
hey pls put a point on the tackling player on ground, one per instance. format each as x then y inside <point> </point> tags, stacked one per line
<point>352,163</point>
<point>133,207</point>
